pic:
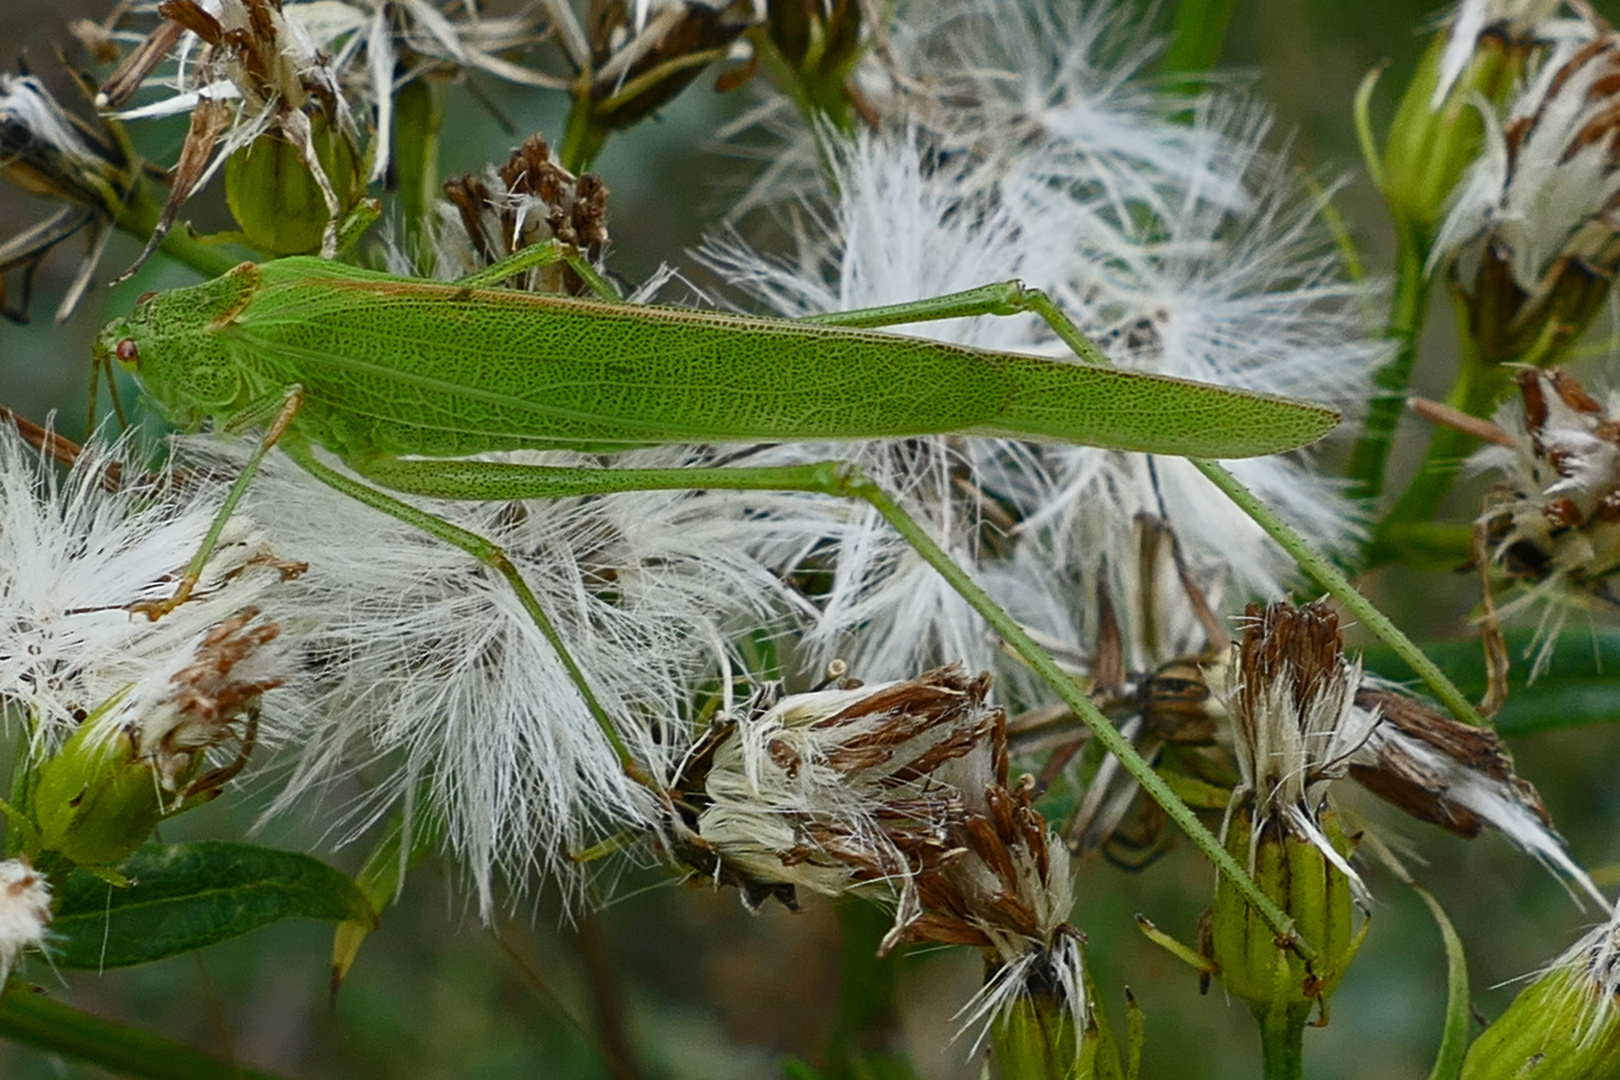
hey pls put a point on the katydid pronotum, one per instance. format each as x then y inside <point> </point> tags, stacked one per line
<point>372,367</point>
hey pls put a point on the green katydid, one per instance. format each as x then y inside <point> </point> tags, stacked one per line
<point>372,367</point>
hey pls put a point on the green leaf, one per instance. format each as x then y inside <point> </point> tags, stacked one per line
<point>794,1068</point>
<point>1579,686</point>
<point>1454,1036</point>
<point>186,896</point>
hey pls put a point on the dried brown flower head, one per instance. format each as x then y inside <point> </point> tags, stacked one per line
<point>531,199</point>
<point>1533,227</point>
<point>899,790</point>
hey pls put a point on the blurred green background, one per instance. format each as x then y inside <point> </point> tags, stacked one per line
<point>679,982</point>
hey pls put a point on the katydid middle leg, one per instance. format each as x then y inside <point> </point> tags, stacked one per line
<point>285,408</point>
<point>459,479</point>
<point>490,554</point>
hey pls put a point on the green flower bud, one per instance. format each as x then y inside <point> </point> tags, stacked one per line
<point>46,150</point>
<point>278,202</point>
<point>1530,234</point>
<point>640,59</point>
<point>1317,894</point>
<point>1295,724</point>
<point>139,757</point>
<point>1439,132</point>
<point>96,801</point>
<point>1563,1026</point>
<point>812,47</point>
<point>1038,1034</point>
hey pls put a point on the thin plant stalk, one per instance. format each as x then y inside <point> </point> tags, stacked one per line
<point>1330,578</point>
<point>1282,1044</point>
<point>51,1026</point>
<point>1370,459</point>
<point>1478,387</point>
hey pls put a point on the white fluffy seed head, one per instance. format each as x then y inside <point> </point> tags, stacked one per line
<point>25,913</point>
<point>76,557</point>
<point>435,686</point>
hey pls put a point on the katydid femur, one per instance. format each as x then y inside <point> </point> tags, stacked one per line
<point>331,355</point>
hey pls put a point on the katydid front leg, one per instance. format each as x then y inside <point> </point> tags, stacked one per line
<point>504,481</point>
<point>290,402</point>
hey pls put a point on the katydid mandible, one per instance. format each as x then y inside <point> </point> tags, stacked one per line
<point>374,367</point>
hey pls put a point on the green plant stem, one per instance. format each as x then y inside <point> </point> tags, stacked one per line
<point>418,115</point>
<point>140,218</point>
<point>1475,392</point>
<point>1282,1043</point>
<point>856,484</point>
<point>583,136</point>
<point>41,1022</point>
<point>1198,36</point>
<point>1370,459</point>
<point>1330,578</point>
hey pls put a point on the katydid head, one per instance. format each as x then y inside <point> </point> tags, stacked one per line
<point>176,344</point>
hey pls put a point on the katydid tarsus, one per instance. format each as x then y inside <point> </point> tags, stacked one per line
<point>400,377</point>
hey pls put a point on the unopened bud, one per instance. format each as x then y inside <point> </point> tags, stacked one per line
<point>1563,1026</point>
<point>278,201</point>
<point>46,150</point>
<point>1295,724</point>
<point>140,757</point>
<point>639,65</point>
<point>1532,232</point>
<point>1312,887</point>
<point>816,45</point>
<point>1438,130</point>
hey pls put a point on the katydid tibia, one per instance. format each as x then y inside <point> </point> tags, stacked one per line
<point>395,375</point>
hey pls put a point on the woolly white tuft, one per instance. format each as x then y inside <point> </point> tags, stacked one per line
<point>438,687</point>
<point>25,913</point>
<point>74,557</point>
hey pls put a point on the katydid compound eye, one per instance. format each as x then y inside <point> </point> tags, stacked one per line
<point>127,351</point>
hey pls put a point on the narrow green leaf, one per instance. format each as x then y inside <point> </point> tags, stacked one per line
<point>186,896</point>
<point>1578,687</point>
<point>38,1021</point>
<point>380,881</point>
<point>1454,1036</point>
